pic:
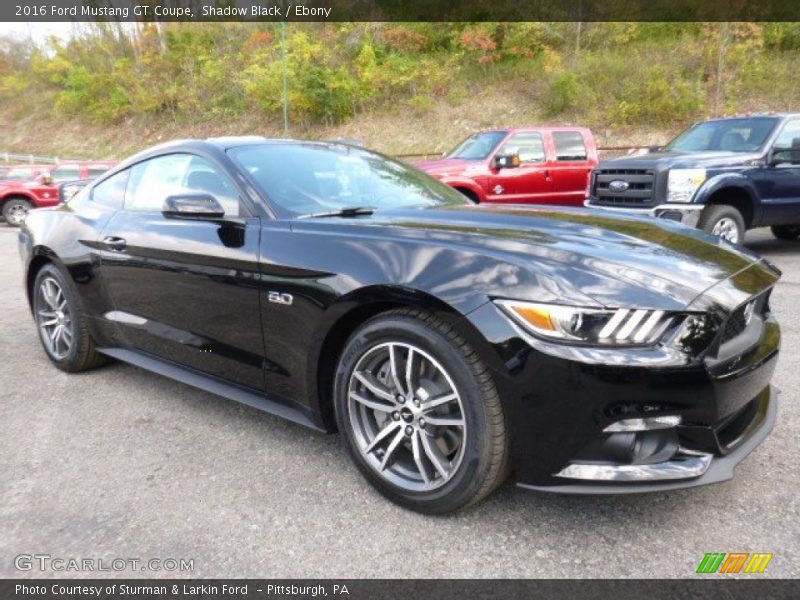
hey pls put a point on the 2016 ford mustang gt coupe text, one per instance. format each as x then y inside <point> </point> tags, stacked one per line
<point>451,343</point>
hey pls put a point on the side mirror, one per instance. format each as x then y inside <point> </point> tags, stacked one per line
<point>506,161</point>
<point>778,156</point>
<point>200,207</point>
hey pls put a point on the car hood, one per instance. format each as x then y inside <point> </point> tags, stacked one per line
<point>574,255</point>
<point>444,166</point>
<point>679,159</point>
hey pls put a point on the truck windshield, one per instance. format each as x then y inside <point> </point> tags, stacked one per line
<point>478,146</point>
<point>728,135</point>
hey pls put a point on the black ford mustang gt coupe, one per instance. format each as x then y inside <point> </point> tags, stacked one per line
<point>451,343</point>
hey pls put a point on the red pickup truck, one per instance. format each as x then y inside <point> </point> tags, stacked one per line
<point>18,197</point>
<point>541,165</point>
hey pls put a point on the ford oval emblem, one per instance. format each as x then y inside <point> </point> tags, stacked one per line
<point>618,185</point>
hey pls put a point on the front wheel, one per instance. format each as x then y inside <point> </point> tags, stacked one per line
<point>420,413</point>
<point>786,232</point>
<point>724,221</point>
<point>15,211</point>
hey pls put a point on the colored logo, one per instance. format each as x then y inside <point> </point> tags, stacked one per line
<point>734,562</point>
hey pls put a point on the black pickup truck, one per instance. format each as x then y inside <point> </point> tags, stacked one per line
<point>723,175</point>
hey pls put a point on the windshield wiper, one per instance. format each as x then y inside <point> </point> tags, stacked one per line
<point>351,211</point>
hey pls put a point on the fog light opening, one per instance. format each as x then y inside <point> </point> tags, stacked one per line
<point>644,424</point>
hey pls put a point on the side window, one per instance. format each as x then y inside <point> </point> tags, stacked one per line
<point>152,181</point>
<point>529,147</point>
<point>65,173</point>
<point>790,136</point>
<point>96,171</point>
<point>569,146</point>
<point>111,192</point>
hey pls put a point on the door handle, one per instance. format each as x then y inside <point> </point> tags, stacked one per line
<point>117,244</point>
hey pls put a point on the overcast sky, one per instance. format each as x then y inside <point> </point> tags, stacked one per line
<point>37,30</point>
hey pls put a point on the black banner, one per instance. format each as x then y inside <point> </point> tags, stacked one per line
<point>399,10</point>
<point>711,588</point>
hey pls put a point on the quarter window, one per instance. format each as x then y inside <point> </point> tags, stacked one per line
<point>528,146</point>
<point>156,179</point>
<point>96,171</point>
<point>111,192</point>
<point>569,146</point>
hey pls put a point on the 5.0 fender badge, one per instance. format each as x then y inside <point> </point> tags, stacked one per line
<point>279,298</point>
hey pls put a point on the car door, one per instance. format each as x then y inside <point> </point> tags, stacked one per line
<point>530,182</point>
<point>779,184</point>
<point>186,290</point>
<point>570,170</point>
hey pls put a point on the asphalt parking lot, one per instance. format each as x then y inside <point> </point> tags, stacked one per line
<point>120,463</point>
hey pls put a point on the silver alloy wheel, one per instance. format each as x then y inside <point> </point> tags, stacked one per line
<point>16,215</point>
<point>727,229</point>
<point>407,417</point>
<point>54,319</point>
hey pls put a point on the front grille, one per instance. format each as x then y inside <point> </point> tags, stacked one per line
<point>639,193</point>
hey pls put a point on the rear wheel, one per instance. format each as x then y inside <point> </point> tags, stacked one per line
<point>62,324</point>
<point>724,221</point>
<point>15,210</point>
<point>420,413</point>
<point>786,232</point>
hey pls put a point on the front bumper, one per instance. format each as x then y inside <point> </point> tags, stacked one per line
<point>560,408</point>
<point>697,469</point>
<point>688,214</point>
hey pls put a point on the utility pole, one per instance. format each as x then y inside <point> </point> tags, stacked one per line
<point>285,81</point>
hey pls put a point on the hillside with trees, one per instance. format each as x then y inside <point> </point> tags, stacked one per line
<point>401,87</point>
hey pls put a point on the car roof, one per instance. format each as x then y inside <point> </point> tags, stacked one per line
<point>774,115</point>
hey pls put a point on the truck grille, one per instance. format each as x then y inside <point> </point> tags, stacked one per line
<point>639,192</point>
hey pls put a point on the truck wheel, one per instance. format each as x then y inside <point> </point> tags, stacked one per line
<point>786,232</point>
<point>15,211</point>
<point>723,220</point>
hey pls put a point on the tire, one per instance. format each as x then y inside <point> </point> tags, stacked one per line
<point>15,210</point>
<point>723,220</point>
<point>55,303</point>
<point>472,457</point>
<point>786,232</point>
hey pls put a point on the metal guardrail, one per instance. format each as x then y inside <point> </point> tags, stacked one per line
<point>30,159</point>
<point>8,157</point>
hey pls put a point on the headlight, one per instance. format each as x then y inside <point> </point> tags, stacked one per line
<point>683,183</point>
<point>616,327</point>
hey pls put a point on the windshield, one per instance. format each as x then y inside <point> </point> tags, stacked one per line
<point>478,146</point>
<point>20,174</point>
<point>731,135</point>
<point>304,179</point>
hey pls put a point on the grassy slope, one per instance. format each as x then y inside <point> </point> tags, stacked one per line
<point>30,127</point>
